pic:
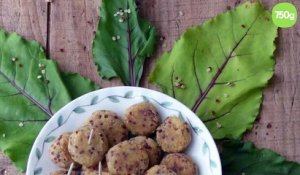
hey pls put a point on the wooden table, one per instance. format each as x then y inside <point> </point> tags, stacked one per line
<point>66,28</point>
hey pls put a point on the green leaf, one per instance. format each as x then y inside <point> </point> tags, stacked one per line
<point>230,60</point>
<point>31,91</point>
<point>242,157</point>
<point>120,48</point>
<point>72,80</point>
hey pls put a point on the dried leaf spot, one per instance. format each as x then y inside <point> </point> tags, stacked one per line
<point>243,26</point>
<point>231,84</point>
<point>213,113</point>
<point>267,19</point>
<point>269,125</point>
<point>218,101</point>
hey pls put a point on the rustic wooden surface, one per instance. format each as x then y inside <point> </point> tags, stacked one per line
<point>66,29</point>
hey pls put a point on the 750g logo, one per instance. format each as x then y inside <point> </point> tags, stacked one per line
<point>284,15</point>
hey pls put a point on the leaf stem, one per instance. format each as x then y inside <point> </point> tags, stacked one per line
<point>130,57</point>
<point>220,70</point>
<point>25,94</point>
<point>195,69</point>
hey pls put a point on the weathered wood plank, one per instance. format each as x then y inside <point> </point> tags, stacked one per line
<point>28,18</point>
<point>73,24</point>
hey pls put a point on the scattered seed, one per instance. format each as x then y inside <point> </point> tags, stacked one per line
<point>43,71</point>
<point>177,84</point>
<point>114,38</point>
<point>230,84</point>
<point>121,13</point>
<point>209,69</point>
<point>3,135</point>
<point>118,37</point>
<point>182,86</point>
<point>13,59</point>
<point>39,77</point>
<point>164,45</point>
<point>42,66</point>
<point>21,124</point>
<point>180,13</point>
<point>128,11</point>
<point>226,95</point>
<point>121,20</point>
<point>116,14</point>
<point>218,125</point>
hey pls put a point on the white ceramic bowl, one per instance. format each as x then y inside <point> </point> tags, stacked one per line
<point>202,150</point>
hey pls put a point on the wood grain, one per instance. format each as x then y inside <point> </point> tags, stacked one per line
<point>72,26</point>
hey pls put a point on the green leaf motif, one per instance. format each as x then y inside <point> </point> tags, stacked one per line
<point>94,100</point>
<point>205,149</point>
<point>197,130</point>
<point>113,99</point>
<point>38,153</point>
<point>49,139</point>
<point>79,110</point>
<point>166,104</point>
<point>122,42</point>
<point>145,98</point>
<point>31,91</point>
<point>240,157</point>
<point>213,164</point>
<point>128,94</point>
<point>38,171</point>
<point>60,120</point>
<point>180,116</point>
<point>230,59</point>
